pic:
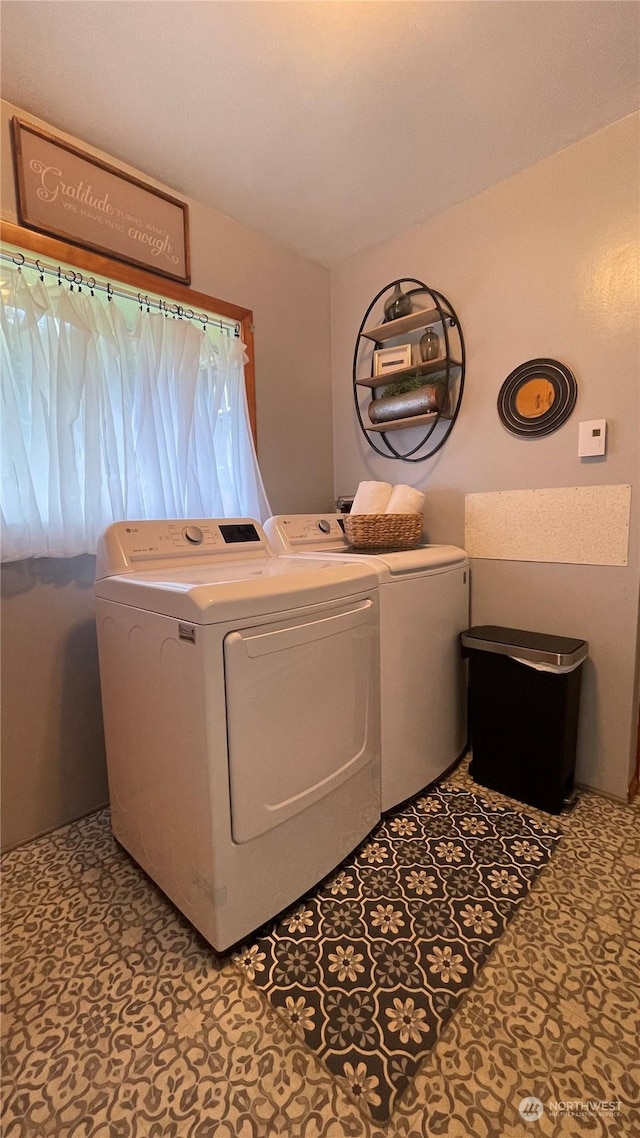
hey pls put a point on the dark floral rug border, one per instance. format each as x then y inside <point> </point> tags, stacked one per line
<point>368,968</point>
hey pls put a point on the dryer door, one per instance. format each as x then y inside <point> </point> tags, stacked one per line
<point>302,711</point>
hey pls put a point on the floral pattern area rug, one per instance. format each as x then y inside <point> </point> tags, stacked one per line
<point>369,967</point>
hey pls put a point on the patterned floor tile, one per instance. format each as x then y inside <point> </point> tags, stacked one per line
<point>120,1022</point>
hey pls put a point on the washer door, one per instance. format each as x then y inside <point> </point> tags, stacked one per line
<point>302,711</point>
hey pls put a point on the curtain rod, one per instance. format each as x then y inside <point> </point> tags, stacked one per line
<point>75,279</point>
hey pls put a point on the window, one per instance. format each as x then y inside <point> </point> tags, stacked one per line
<point>115,408</point>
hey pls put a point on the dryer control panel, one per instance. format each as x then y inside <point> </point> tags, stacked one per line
<point>125,544</point>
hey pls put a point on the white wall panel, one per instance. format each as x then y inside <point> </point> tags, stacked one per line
<point>576,525</point>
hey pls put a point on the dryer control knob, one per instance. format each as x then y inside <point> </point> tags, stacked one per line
<point>193,534</point>
<point>324,526</point>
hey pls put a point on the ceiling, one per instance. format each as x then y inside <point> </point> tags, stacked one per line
<point>327,126</point>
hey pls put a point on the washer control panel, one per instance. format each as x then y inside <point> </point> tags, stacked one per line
<point>124,544</point>
<point>308,529</point>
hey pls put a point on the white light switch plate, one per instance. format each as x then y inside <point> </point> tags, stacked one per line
<point>592,438</point>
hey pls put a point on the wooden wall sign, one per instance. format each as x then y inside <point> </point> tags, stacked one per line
<point>71,195</point>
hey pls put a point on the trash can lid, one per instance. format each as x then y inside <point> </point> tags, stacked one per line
<point>520,644</point>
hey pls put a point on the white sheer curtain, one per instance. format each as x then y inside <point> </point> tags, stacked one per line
<point>104,419</point>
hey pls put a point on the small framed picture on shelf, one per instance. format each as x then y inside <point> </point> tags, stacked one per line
<point>391,359</point>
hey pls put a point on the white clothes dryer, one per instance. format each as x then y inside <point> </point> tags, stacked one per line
<point>424,606</point>
<point>241,712</point>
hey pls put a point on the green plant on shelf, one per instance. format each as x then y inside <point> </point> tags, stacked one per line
<point>403,386</point>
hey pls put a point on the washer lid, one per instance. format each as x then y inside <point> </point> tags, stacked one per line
<point>395,563</point>
<point>213,591</point>
<point>424,559</point>
<point>323,535</point>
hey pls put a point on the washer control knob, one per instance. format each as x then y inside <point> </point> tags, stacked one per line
<point>324,526</point>
<point>193,534</point>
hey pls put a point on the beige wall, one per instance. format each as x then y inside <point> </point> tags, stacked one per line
<point>544,264</point>
<point>538,265</point>
<point>53,766</point>
<point>52,752</point>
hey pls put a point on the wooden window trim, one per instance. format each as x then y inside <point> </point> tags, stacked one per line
<point>144,282</point>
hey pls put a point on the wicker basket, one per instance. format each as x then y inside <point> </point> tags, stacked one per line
<point>383,531</point>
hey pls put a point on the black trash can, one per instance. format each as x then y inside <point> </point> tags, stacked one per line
<point>524,697</point>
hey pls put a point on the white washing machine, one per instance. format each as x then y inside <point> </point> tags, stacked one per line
<point>424,606</point>
<point>241,707</point>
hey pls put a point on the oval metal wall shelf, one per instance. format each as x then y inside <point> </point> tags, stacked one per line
<point>451,366</point>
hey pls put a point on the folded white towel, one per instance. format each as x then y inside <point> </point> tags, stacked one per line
<point>371,498</point>
<point>405,500</point>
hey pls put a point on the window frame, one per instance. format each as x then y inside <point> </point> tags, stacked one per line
<point>144,282</point>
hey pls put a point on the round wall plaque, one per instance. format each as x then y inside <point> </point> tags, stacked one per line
<point>537,398</point>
